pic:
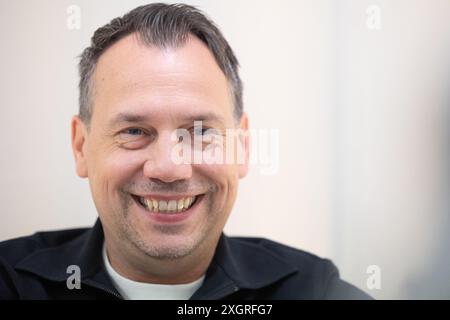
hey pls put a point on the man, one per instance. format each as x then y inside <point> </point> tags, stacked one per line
<point>159,71</point>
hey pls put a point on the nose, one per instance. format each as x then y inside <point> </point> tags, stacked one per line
<point>160,164</point>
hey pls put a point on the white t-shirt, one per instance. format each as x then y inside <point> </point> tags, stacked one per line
<point>133,290</point>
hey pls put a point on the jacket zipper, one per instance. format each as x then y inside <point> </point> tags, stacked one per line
<point>103,288</point>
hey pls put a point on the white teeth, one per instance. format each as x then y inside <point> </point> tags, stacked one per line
<point>162,205</point>
<point>180,205</point>
<point>171,206</point>
<point>149,204</point>
<point>155,205</point>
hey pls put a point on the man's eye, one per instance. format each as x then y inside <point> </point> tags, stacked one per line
<point>134,138</point>
<point>133,131</point>
<point>200,131</point>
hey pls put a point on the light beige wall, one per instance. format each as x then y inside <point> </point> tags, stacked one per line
<point>392,133</point>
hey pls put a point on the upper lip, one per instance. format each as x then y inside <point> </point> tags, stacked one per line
<point>166,197</point>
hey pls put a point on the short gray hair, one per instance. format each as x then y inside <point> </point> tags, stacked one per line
<point>161,25</point>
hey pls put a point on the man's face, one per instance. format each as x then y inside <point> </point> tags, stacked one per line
<point>142,95</point>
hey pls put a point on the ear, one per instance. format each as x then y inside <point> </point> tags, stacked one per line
<point>245,143</point>
<point>79,145</point>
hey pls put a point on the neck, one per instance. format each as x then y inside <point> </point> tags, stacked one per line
<point>135,265</point>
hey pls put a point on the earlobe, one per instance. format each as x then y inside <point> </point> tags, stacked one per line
<point>79,135</point>
<point>243,168</point>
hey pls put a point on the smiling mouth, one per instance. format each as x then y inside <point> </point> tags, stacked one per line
<point>169,206</point>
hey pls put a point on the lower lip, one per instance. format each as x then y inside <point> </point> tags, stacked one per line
<point>172,217</point>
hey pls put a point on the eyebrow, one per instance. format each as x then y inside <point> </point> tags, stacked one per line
<point>125,117</point>
<point>128,117</point>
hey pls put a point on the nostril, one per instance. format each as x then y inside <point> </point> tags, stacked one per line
<point>169,185</point>
<point>158,181</point>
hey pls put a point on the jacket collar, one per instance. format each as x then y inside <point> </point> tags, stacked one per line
<point>83,251</point>
<point>236,264</point>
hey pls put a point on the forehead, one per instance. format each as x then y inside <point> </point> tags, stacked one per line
<point>131,76</point>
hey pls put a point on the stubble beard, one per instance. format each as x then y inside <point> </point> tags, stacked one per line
<point>163,250</point>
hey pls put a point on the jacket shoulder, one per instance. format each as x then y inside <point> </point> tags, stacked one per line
<point>14,250</point>
<point>304,260</point>
<point>320,274</point>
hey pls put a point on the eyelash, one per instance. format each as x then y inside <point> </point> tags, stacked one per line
<point>135,129</point>
<point>203,131</point>
<point>137,132</point>
<point>142,131</point>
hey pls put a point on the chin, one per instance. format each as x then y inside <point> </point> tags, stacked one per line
<point>168,247</point>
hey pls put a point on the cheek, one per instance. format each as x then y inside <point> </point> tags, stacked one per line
<point>123,161</point>
<point>225,178</point>
<point>222,173</point>
<point>114,170</point>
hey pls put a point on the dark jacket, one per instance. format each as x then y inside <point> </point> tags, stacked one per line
<point>36,267</point>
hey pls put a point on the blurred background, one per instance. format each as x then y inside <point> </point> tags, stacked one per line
<point>358,90</point>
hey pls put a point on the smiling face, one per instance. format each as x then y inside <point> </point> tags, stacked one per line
<point>149,205</point>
